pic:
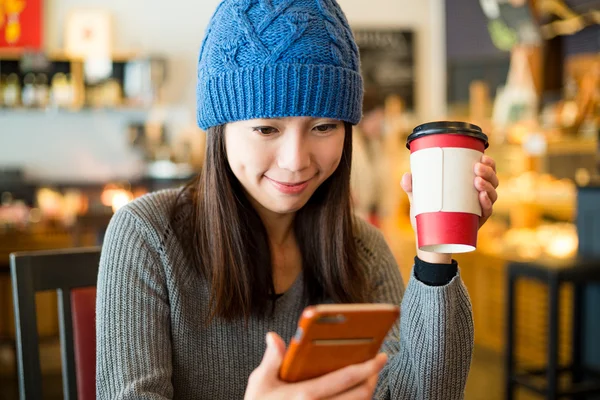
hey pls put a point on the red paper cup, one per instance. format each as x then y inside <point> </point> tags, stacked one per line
<point>445,201</point>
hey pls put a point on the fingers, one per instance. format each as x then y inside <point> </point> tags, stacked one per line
<point>489,161</point>
<point>406,184</point>
<point>363,391</point>
<point>488,173</point>
<point>342,380</point>
<point>277,341</point>
<point>486,183</point>
<point>485,186</point>
<point>273,356</point>
<point>486,206</point>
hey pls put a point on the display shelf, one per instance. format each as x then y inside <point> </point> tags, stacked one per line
<point>62,56</point>
<point>84,91</point>
<point>7,112</point>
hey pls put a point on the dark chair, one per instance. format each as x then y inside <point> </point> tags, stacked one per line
<point>66,271</point>
<point>585,380</point>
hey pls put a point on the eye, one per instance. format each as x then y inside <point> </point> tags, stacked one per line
<point>325,128</point>
<point>265,130</point>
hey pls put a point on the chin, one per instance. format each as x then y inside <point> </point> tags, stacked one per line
<point>285,206</point>
<point>285,209</point>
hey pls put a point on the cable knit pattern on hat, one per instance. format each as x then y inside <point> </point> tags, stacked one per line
<point>278,58</point>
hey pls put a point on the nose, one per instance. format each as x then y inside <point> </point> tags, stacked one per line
<point>294,152</point>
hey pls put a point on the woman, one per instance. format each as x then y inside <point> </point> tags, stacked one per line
<point>192,281</point>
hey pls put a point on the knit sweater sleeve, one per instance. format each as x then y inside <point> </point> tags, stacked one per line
<point>132,315</point>
<point>430,348</point>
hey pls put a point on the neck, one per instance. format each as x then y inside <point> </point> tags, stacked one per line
<point>285,256</point>
<point>279,227</point>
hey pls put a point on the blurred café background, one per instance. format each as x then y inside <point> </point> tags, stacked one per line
<point>97,107</point>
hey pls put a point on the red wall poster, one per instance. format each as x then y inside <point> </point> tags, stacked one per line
<point>21,24</point>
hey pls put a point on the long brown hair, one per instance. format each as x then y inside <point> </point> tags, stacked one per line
<point>231,249</point>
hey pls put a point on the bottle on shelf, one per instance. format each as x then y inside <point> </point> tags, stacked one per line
<point>12,91</point>
<point>163,152</point>
<point>61,91</point>
<point>28,92</point>
<point>41,90</point>
<point>2,83</point>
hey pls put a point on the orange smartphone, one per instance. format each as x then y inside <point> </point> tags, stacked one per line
<point>333,336</point>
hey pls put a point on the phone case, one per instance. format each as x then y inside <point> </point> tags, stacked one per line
<point>330,337</point>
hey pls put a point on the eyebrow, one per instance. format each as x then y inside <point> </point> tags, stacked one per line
<point>268,119</point>
<point>281,119</point>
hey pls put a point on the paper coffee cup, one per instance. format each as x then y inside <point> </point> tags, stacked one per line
<point>445,201</point>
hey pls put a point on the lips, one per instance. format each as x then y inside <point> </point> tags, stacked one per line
<point>290,188</point>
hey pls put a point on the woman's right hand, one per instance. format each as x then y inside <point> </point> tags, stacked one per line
<point>355,382</point>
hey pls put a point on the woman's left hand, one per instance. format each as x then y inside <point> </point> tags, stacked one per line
<point>486,182</point>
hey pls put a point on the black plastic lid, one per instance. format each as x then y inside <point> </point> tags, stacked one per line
<point>449,127</point>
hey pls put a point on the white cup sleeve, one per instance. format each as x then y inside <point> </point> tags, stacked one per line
<point>443,180</point>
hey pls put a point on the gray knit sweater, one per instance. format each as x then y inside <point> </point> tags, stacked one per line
<point>152,344</point>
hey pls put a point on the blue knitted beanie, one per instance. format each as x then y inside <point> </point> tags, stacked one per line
<point>278,58</point>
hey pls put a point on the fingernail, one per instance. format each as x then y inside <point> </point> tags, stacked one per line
<point>269,340</point>
<point>383,360</point>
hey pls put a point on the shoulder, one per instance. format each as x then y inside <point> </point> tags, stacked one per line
<point>371,247</point>
<point>370,242</point>
<point>147,219</point>
<point>378,263</point>
<point>153,209</point>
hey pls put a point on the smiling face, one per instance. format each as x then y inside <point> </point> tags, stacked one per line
<point>280,163</point>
